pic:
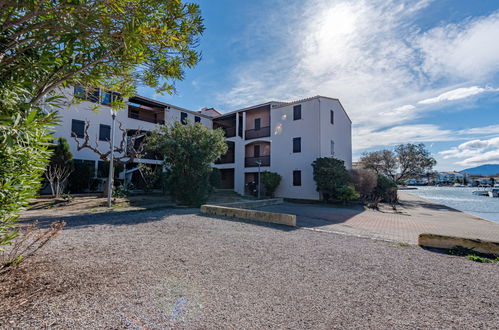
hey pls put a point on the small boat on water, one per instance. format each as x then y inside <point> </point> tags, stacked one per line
<point>480,192</point>
<point>494,192</point>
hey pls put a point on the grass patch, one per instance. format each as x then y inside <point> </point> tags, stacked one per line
<point>472,255</point>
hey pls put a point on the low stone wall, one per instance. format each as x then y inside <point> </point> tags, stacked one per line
<point>450,242</point>
<point>269,217</point>
<point>253,204</point>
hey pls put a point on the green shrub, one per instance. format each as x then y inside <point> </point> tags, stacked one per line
<point>385,190</point>
<point>188,151</point>
<point>215,178</point>
<point>24,154</point>
<point>81,179</point>
<point>270,181</point>
<point>333,179</point>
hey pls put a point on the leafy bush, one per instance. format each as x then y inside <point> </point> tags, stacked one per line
<point>332,179</point>
<point>270,181</point>
<point>215,178</point>
<point>188,151</point>
<point>385,190</point>
<point>24,141</point>
<point>60,166</point>
<point>364,181</point>
<point>150,177</point>
<point>81,179</point>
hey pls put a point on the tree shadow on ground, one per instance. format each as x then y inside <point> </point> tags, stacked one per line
<point>416,204</point>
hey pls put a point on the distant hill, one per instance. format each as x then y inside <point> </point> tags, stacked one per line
<point>485,170</point>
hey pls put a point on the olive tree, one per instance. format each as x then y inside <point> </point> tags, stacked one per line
<point>406,161</point>
<point>188,152</point>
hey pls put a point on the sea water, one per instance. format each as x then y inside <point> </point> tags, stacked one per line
<point>461,198</point>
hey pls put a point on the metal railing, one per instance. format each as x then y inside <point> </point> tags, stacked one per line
<point>228,158</point>
<point>251,161</point>
<point>257,133</point>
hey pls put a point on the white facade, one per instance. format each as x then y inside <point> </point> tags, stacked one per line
<point>268,133</point>
<point>318,135</point>
<point>85,111</point>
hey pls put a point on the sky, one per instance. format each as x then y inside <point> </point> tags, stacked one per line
<point>405,71</point>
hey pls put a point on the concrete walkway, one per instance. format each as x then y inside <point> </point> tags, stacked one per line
<point>415,216</point>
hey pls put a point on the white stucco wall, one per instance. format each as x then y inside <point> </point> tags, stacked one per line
<point>283,160</point>
<point>340,132</point>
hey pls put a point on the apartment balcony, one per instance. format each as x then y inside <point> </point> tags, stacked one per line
<point>229,156</point>
<point>252,161</point>
<point>257,133</point>
<point>229,131</point>
<point>155,117</point>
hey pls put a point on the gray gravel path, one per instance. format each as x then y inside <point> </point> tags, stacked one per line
<point>176,269</point>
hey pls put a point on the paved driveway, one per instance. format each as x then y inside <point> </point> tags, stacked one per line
<point>415,216</point>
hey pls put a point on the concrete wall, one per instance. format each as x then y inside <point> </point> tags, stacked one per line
<point>283,160</point>
<point>340,132</point>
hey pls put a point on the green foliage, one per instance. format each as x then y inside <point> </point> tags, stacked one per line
<point>188,151</point>
<point>385,190</point>
<point>332,179</point>
<point>81,179</point>
<point>101,43</point>
<point>215,178</point>
<point>270,181</point>
<point>24,143</point>
<point>61,153</point>
<point>60,166</point>
<point>346,193</point>
<point>150,177</point>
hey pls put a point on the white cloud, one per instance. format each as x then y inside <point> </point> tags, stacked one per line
<point>491,129</point>
<point>474,152</point>
<point>458,94</point>
<point>366,138</point>
<point>468,50</point>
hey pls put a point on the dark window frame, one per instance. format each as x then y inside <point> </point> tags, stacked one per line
<point>259,125</point>
<point>197,119</point>
<point>297,112</point>
<point>297,178</point>
<point>296,144</point>
<point>256,148</point>
<point>183,118</point>
<point>332,117</point>
<point>101,127</point>
<point>79,134</point>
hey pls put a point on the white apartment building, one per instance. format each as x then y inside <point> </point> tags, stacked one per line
<point>284,137</point>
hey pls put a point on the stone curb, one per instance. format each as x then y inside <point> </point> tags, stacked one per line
<point>451,242</point>
<point>253,204</point>
<point>261,216</point>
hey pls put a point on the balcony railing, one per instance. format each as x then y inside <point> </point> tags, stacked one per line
<point>257,133</point>
<point>228,158</point>
<point>251,161</point>
<point>229,131</point>
<point>134,113</point>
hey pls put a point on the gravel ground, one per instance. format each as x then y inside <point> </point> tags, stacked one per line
<point>176,269</point>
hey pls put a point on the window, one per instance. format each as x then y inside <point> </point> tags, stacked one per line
<point>240,133</point>
<point>102,169</point>
<point>332,117</point>
<point>256,151</point>
<point>104,132</point>
<point>93,96</point>
<point>183,118</point>
<point>332,148</point>
<point>297,112</point>
<point>296,178</point>
<point>78,128</point>
<point>297,144</point>
<point>258,122</point>
<point>197,119</point>
<point>80,92</point>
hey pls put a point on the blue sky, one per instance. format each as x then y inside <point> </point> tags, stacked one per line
<point>406,71</point>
